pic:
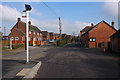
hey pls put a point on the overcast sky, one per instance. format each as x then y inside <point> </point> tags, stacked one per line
<point>74,15</point>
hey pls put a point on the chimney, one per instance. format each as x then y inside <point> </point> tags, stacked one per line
<point>112,23</point>
<point>29,22</point>
<point>81,33</point>
<point>92,24</point>
<point>19,19</point>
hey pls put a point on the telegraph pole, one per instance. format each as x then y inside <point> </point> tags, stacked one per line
<point>4,31</point>
<point>60,28</point>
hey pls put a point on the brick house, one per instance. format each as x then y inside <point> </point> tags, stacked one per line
<point>52,36</point>
<point>98,35</point>
<point>64,35</point>
<point>46,35</point>
<point>69,37</point>
<point>57,36</point>
<point>115,41</point>
<point>18,33</point>
<point>85,29</point>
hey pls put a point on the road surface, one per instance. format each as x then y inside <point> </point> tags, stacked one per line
<point>72,61</point>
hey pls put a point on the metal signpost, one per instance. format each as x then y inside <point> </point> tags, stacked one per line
<point>27,9</point>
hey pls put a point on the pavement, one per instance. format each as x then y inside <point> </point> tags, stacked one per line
<point>14,61</point>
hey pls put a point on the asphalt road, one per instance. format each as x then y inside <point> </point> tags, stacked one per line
<point>72,61</point>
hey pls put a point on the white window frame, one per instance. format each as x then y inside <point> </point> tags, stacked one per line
<point>38,34</point>
<point>29,32</point>
<point>34,33</point>
<point>34,39</point>
<point>90,39</point>
<point>93,39</point>
<point>29,39</point>
<point>39,39</point>
<point>17,38</point>
<point>11,38</point>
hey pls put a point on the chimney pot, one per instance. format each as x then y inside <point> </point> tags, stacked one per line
<point>19,19</point>
<point>112,23</point>
<point>92,24</point>
<point>29,22</point>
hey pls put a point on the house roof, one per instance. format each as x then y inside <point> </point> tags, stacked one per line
<point>44,33</point>
<point>116,35</point>
<point>64,34</point>
<point>97,25</point>
<point>20,32</point>
<point>51,33</point>
<point>68,36</point>
<point>31,27</point>
<point>86,29</point>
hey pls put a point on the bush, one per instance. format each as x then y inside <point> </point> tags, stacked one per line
<point>15,46</point>
<point>30,44</point>
<point>62,42</point>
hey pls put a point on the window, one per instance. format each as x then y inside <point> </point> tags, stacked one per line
<point>40,34</point>
<point>37,33</point>
<point>34,39</point>
<point>39,39</point>
<point>23,38</point>
<point>29,39</point>
<point>92,39</point>
<point>16,38</point>
<point>29,32</point>
<point>12,38</point>
<point>34,33</point>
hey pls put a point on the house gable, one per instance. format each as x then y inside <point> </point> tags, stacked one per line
<point>102,22</point>
<point>102,32</point>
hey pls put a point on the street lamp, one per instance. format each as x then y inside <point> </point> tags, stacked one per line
<point>27,9</point>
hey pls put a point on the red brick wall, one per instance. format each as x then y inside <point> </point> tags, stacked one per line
<point>52,37</point>
<point>14,34</point>
<point>46,37</point>
<point>85,39</point>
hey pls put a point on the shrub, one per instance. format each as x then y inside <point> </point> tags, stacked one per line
<point>15,46</point>
<point>62,42</point>
<point>30,44</point>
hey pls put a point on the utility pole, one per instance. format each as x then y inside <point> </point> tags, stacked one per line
<point>60,28</point>
<point>4,31</point>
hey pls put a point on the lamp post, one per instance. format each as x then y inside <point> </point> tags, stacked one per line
<point>27,9</point>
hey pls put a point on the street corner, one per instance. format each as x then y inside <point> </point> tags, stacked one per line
<point>32,72</point>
